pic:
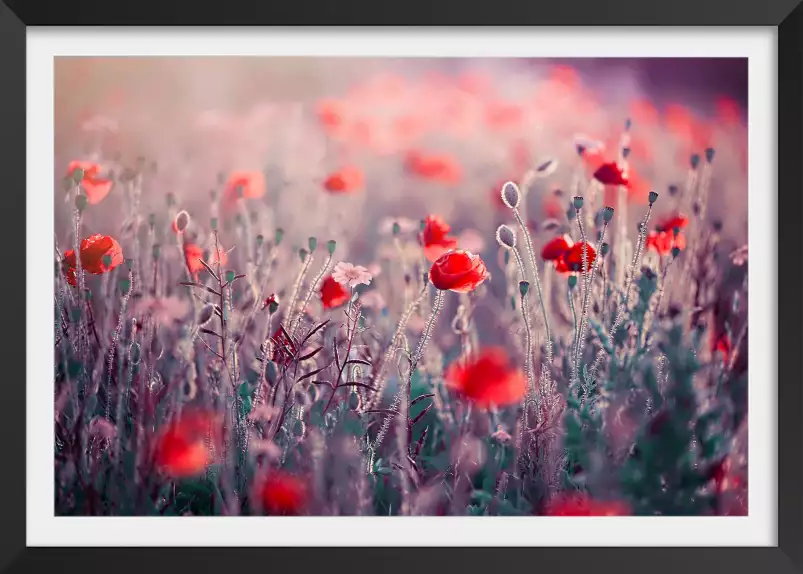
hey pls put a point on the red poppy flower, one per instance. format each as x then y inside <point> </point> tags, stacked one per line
<point>435,237</point>
<point>553,208</point>
<point>439,168</point>
<point>346,180</point>
<point>181,450</point>
<point>644,113</point>
<point>556,248</point>
<point>283,494</point>
<point>611,173</point>
<point>561,266</point>
<point>489,379</point>
<point>663,241</point>
<point>244,184</point>
<point>579,504</point>
<point>574,256</point>
<point>728,111</point>
<point>333,294</point>
<point>95,187</point>
<point>670,223</point>
<point>459,271</point>
<point>330,114</point>
<point>502,115</point>
<point>193,254</point>
<point>721,343</point>
<point>94,250</point>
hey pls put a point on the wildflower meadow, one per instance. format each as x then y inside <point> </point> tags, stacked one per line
<point>415,289</point>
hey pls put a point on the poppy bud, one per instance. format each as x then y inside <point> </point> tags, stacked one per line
<point>354,401</point>
<point>206,315</point>
<point>578,203</point>
<point>279,236</point>
<point>302,254</point>
<point>396,228</point>
<point>572,281</point>
<point>607,214</point>
<point>78,175</point>
<point>182,221</point>
<point>273,306</point>
<point>230,275</point>
<point>709,154</point>
<point>604,249</point>
<point>81,202</point>
<point>134,353</point>
<point>625,152</point>
<point>524,287</point>
<point>505,237</point>
<point>653,197</point>
<point>260,240</point>
<point>313,243</point>
<point>695,160</point>
<point>213,223</point>
<point>675,251</point>
<point>330,246</point>
<point>511,195</point>
<point>571,213</point>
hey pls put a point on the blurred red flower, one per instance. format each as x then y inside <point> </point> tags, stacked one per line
<point>502,115</point>
<point>671,222</point>
<point>330,114</point>
<point>729,111</point>
<point>440,168</point>
<point>333,294</point>
<point>663,241</point>
<point>181,450</point>
<point>95,187</point>
<point>283,494</point>
<point>246,184</point>
<point>552,207</point>
<point>488,379</point>
<point>580,504</point>
<point>435,237</point>
<point>556,248</point>
<point>611,173</point>
<point>459,271</point>
<point>574,256</point>
<point>348,179</point>
<point>193,254</point>
<point>644,113</point>
<point>94,250</point>
<point>721,343</point>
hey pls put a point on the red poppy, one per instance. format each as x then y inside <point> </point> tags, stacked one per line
<point>435,237</point>
<point>556,248</point>
<point>333,294</point>
<point>644,113</point>
<point>574,256</point>
<point>283,494</point>
<point>95,187</point>
<point>459,271</point>
<point>489,379</point>
<point>346,180</point>
<point>729,111</point>
<point>193,254</point>
<point>94,250</point>
<point>721,343</point>
<point>611,173</point>
<point>181,450</point>
<point>441,168</point>
<point>552,208</point>
<point>561,266</point>
<point>674,221</point>
<point>244,184</point>
<point>330,114</point>
<point>579,504</point>
<point>502,115</point>
<point>663,241</point>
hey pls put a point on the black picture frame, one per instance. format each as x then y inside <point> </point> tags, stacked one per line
<point>786,15</point>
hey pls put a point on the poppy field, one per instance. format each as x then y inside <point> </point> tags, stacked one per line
<point>418,291</point>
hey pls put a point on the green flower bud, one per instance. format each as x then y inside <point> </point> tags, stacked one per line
<point>653,197</point>
<point>607,214</point>
<point>81,201</point>
<point>302,253</point>
<point>279,236</point>
<point>230,276</point>
<point>78,175</point>
<point>313,243</point>
<point>330,246</point>
<point>578,203</point>
<point>524,287</point>
<point>572,281</point>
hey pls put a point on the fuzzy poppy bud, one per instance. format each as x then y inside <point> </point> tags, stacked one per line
<point>230,275</point>
<point>313,243</point>
<point>206,314</point>
<point>694,160</point>
<point>302,254</point>
<point>578,203</point>
<point>604,249</point>
<point>331,245</point>
<point>78,175</point>
<point>81,202</point>
<point>709,154</point>
<point>279,236</point>
<point>653,197</point>
<point>505,237</point>
<point>572,281</point>
<point>607,214</point>
<point>182,221</point>
<point>524,287</point>
<point>511,195</point>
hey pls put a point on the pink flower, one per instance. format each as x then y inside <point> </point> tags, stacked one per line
<point>348,274</point>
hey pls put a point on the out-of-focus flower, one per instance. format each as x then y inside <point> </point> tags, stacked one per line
<point>611,173</point>
<point>163,310</point>
<point>283,494</point>
<point>671,222</point>
<point>644,113</point>
<point>459,271</point>
<point>556,248</point>
<point>729,111</point>
<point>580,504</point>
<point>739,256</point>
<point>333,294</point>
<point>193,254</point>
<point>488,379</point>
<point>553,209</point>
<point>435,237</point>
<point>574,256</point>
<point>348,179</point>
<point>95,187</point>
<point>99,254</point>
<point>373,299</point>
<point>721,343</point>
<point>244,184</point>
<point>350,275</point>
<point>440,168</point>
<point>330,114</point>
<point>181,450</point>
<point>664,241</point>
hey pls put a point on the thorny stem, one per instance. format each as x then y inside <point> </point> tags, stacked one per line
<point>620,312</point>
<point>528,358</point>
<point>587,300</point>
<point>574,316</point>
<point>296,290</point>
<point>312,288</point>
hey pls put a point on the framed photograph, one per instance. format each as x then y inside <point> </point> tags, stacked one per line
<point>451,295</point>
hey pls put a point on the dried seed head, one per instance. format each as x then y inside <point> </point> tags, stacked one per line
<point>279,235</point>
<point>511,195</point>
<point>607,213</point>
<point>709,154</point>
<point>578,203</point>
<point>330,246</point>
<point>694,160</point>
<point>653,197</point>
<point>313,243</point>
<point>182,221</point>
<point>604,249</point>
<point>302,254</point>
<point>572,281</point>
<point>524,287</point>
<point>396,228</point>
<point>505,237</point>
